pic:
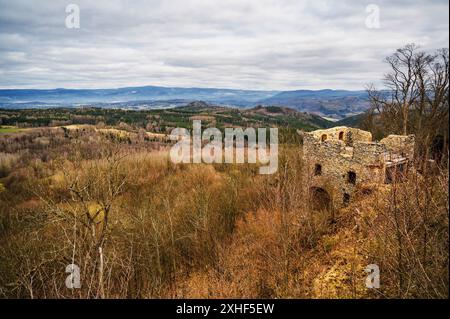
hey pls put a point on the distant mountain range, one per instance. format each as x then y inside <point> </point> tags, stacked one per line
<point>336,104</point>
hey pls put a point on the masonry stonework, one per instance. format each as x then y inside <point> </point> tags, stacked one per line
<point>340,159</point>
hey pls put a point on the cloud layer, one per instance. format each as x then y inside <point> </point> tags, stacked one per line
<point>248,44</point>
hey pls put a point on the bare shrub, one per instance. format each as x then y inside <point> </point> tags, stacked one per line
<point>7,162</point>
<point>408,237</point>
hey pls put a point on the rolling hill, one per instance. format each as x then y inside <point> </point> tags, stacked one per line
<point>162,120</point>
<point>336,104</point>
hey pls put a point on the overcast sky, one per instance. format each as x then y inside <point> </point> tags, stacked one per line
<point>260,44</point>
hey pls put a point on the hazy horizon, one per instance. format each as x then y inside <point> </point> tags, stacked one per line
<point>179,87</point>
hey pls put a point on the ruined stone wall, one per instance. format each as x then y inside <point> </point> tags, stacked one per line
<point>355,135</point>
<point>400,144</point>
<point>337,160</point>
<point>332,133</point>
<point>369,153</point>
<point>347,132</point>
<point>350,150</point>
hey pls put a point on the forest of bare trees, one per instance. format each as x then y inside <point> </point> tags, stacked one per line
<point>415,100</point>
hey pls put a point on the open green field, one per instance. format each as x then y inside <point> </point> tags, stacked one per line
<point>9,129</point>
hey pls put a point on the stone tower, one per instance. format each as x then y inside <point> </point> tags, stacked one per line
<point>340,159</point>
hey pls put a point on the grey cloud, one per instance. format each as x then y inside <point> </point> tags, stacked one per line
<point>250,44</point>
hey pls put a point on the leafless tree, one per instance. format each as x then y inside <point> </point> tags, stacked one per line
<point>100,188</point>
<point>415,98</point>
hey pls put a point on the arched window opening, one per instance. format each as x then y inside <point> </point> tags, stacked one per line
<point>351,177</point>
<point>346,199</point>
<point>321,200</point>
<point>317,170</point>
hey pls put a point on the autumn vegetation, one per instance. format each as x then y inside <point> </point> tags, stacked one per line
<point>139,226</point>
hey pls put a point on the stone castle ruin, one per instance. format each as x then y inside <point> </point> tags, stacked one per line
<point>341,159</point>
